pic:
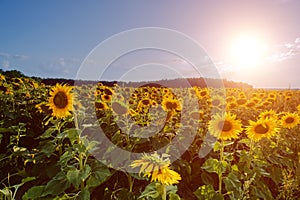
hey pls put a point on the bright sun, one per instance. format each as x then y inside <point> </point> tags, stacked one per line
<point>247,51</point>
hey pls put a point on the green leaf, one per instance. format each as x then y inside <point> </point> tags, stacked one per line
<point>34,192</point>
<point>233,184</point>
<point>73,177</point>
<point>27,179</point>
<point>64,159</point>
<point>85,172</point>
<point>85,194</point>
<point>48,133</point>
<point>57,185</point>
<point>173,196</point>
<point>7,130</point>
<point>171,189</point>
<point>261,190</point>
<point>217,146</point>
<point>207,178</point>
<point>73,134</point>
<point>215,166</point>
<point>207,192</point>
<point>92,146</point>
<point>100,173</point>
<point>235,168</point>
<point>48,148</point>
<point>151,191</point>
<point>98,177</point>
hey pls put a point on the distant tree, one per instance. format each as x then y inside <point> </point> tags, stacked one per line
<point>13,74</point>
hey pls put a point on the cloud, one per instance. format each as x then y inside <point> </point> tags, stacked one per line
<point>13,56</point>
<point>60,67</point>
<point>19,57</point>
<point>4,55</point>
<point>285,51</point>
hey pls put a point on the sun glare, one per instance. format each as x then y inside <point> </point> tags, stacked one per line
<point>247,51</point>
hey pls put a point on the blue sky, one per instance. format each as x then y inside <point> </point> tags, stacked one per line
<point>52,38</point>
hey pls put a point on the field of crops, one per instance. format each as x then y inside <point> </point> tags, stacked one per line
<point>70,142</point>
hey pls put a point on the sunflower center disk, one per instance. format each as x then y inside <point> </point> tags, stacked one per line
<point>225,126</point>
<point>289,120</point>
<point>260,129</point>
<point>60,100</point>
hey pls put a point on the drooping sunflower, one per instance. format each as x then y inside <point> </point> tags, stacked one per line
<point>290,120</point>
<point>262,128</point>
<point>61,100</point>
<point>226,126</point>
<point>158,167</point>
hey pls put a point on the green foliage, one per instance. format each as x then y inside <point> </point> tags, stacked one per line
<point>43,157</point>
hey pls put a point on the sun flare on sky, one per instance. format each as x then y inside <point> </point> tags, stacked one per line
<point>247,51</point>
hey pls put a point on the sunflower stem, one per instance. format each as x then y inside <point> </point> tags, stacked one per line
<point>221,159</point>
<point>164,192</point>
<point>130,181</point>
<point>59,140</point>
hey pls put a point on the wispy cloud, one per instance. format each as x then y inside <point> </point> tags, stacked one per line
<point>7,59</point>
<point>285,51</point>
<point>4,55</point>
<point>13,56</point>
<point>60,67</point>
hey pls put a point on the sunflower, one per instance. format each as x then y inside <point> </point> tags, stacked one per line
<point>298,107</point>
<point>2,77</point>
<point>268,114</point>
<point>202,93</point>
<point>99,105</point>
<point>232,105</point>
<point>61,100</point>
<point>158,167</point>
<point>230,99</point>
<point>262,128</point>
<point>217,101</point>
<point>242,95</point>
<point>106,97</point>
<point>241,101</point>
<point>169,104</point>
<point>225,126</point>
<point>290,120</point>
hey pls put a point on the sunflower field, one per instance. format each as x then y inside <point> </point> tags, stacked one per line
<point>54,142</point>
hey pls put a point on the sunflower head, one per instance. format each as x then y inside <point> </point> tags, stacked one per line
<point>61,100</point>
<point>262,128</point>
<point>158,168</point>
<point>268,114</point>
<point>226,126</point>
<point>100,105</point>
<point>290,120</point>
<point>169,104</point>
<point>298,108</point>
